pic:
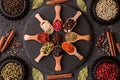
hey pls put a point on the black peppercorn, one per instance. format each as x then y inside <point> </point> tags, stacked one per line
<point>13,7</point>
<point>57,51</point>
<point>69,24</point>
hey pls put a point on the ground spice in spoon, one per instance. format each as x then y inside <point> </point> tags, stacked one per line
<point>68,47</point>
<point>70,36</point>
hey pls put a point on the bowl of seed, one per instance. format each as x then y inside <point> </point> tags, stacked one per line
<point>14,9</point>
<point>13,68</point>
<point>105,12</point>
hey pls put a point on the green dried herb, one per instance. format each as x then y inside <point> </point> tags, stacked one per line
<point>37,3</point>
<point>81,4</point>
<point>83,74</point>
<point>37,75</point>
<point>11,71</point>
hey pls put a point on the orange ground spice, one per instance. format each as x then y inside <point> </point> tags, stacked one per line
<point>68,47</point>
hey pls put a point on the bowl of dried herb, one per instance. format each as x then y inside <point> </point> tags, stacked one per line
<point>13,68</point>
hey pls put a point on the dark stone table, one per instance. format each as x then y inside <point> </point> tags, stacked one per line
<point>6,25</point>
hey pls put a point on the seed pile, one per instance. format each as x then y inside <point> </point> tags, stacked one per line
<point>11,71</point>
<point>106,9</point>
<point>13,7</point>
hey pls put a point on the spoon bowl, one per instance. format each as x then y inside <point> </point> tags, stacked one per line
<point>42,53</point>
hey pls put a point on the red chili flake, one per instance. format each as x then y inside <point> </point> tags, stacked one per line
<point>43,37</point>
<point>107,71</point>
<point>57,25</point>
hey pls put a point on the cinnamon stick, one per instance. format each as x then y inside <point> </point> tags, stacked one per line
<point>2,40</point>
<point>118,46</point>
<point>53,77</point>
<point>111,43</point>
<point>56,1</point>
<point>8,40</point>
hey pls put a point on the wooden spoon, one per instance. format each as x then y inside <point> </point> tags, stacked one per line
<point>79,37</point>
<point>35,37</point>
<point>80,57</point>
<point>77,15</point>
<point>57,11</point>
<point>57,20</point>
<point>49,28</point>
<point>58,63</point>
<point>74,52</point>
<point>42,54</point>
<point>57,56</point>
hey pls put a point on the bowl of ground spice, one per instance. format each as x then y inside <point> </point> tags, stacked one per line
<point>13,68</point>
<point>106,68</point>
<point>105,12</point>
<point>14,9</point>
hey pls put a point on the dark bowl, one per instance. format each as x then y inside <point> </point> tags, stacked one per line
<point>19,61</point>
<point>100,61</point>
<point>100,20</point>
<point>22,14</point>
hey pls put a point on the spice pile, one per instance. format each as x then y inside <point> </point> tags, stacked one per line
<point>43,37</point>
<point>106,9</point>
<point>13,7</point>
<point>68,47</point>
<point>107,71</point>
<point>11,71</point>
<point>57,51</point>
<point>69,24</point>
<point>57,39</point>
<point>70,36</point>
<point>57,25</point>
<point>102,44</point>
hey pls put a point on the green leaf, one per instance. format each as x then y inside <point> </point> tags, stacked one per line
<point>83,74</point>
<point>37,75</point>
<point>37,3</point>
<point>81,4</point>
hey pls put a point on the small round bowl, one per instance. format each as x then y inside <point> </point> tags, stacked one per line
<point>100,20</point>
<point>100,61</point>
<point>23,12</point>
<point>19,61</point>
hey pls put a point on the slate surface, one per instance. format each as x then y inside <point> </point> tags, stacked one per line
<point>6,25</point>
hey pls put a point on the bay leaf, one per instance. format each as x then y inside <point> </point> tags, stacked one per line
<point>82,5</point>
<point>83,74</point>
<point>37,3</point>
<point>37,75</point>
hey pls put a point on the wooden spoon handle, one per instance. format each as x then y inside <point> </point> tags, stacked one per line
<point>76,16</point>
<point>39,18</point>
<point>85,37</point>
<point>58,63</point>
<point>57,10</point>
<point>29,37</point>
<point>80,57</point>
<point>39,58</point>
